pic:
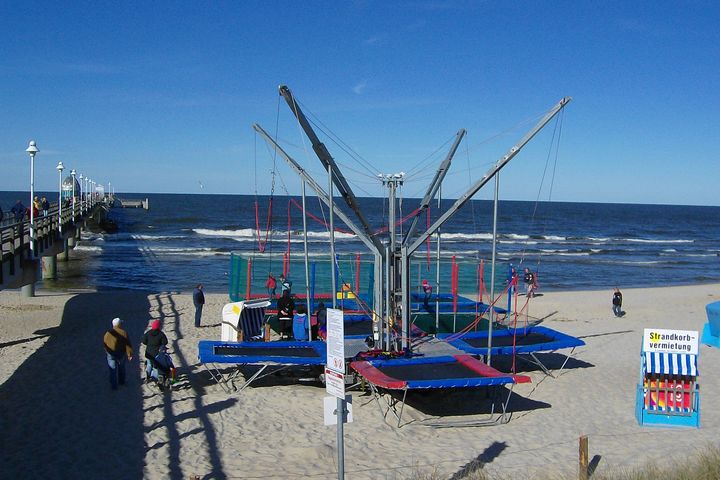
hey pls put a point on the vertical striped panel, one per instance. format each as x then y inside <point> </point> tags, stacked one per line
<point>671,363</point>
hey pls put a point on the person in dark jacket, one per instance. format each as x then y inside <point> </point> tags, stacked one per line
<point>198,301</point>
<point>319,329</point>
<point>153,340</point>
<point>617,303</point>
<point>286,309</point>
<point>45,206</point>
<point>18,211</point>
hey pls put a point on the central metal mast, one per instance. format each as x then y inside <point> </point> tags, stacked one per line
<point>392,261</point>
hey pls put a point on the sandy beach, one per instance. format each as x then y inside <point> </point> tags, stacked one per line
<point>59,418</point>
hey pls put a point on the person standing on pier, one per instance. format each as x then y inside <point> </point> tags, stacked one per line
<point>198,301</point>
<point>18,211</point>
<point>45,206</point>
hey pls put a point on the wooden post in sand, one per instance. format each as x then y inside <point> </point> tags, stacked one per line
<point>583,453</point>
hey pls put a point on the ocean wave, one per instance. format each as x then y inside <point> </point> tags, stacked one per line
<point>250,234</point>
<point>88,248</point>
<point>647,240</point>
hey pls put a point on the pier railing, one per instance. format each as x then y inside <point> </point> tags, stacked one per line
<point>48,230</point>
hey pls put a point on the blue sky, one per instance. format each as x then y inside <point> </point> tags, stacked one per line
<point>161,96</point>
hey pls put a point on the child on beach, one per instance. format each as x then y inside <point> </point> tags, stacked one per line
<point>271,285</point>
<point>617,303</point>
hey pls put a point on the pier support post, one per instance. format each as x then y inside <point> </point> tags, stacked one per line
<point>64,256</point>
<point>71,240</point>
<point>49,267</point>
<point>28,290</point>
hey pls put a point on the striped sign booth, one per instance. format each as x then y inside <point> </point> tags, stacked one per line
<point>668,393</point>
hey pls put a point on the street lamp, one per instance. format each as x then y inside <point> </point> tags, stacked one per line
<point>82,189</point>
<point>60,167</point>
<point>72,173</point>
<point>32,150</point>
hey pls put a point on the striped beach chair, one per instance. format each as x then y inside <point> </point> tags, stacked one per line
<point>243,321</point>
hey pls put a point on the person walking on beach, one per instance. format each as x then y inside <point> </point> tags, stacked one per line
<point>153,339</point>
<point>617,302</point>
<point>271,285</point>
<point>117,347</point>
<point>198,301</point>
<point>18,211</point>
<point>530,285</point>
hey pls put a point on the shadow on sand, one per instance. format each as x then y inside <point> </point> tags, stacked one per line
<point>60,419</point>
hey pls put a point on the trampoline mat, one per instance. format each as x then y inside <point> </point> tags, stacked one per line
<point>507,340</point>
<point>428,371</point>
<point>305,352</point>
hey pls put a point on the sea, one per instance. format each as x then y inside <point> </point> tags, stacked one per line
<point>184,239</point>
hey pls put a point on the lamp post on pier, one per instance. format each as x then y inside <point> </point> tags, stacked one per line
<point>82,190</point>
<point>32,150</point>
<point>60,167</point>
<point>72,174</point>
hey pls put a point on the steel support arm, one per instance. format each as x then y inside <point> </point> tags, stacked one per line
<point>434,185</point>
<point>489,175</point>
<point>329,162</point>
<point>318,189</point>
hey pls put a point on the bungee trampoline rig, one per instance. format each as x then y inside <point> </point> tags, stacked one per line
<point>398,318</point>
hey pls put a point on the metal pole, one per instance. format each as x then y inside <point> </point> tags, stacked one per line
<point>492,268</point>
<point>437,272</point>
<point>307,269</point>
<point>72,173</point>
<point>340,409</point>
<point>60,170</point>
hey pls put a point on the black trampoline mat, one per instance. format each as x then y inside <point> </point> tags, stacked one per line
<point>429,371</point>
<point>305,352</point>
<point>507,340</point>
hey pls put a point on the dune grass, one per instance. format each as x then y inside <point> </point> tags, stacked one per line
<point>705,465</point>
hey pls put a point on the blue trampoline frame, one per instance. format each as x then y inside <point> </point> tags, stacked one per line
<point>559,341</point>
<point>207,355</point>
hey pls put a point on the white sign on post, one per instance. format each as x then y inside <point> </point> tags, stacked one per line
<point>671,341</point>
<point>336,340</point>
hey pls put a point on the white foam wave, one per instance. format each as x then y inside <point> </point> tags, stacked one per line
<point>88,248</point>
<point>645,240</point>
<point>555,238</point>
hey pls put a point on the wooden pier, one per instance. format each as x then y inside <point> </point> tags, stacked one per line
<point>132,203</point>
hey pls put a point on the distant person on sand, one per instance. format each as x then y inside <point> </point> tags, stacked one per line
<point>300,324</point>
<point>117,347</point>
<point>530,282</point>
<point>285,308</point>
<point>427,292</point>
<point>153,339</point>
<point>271,285</point>
<point>18,211</point>
<point>285,285</point>
<point>198,301</point>
<point>617,302</point>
